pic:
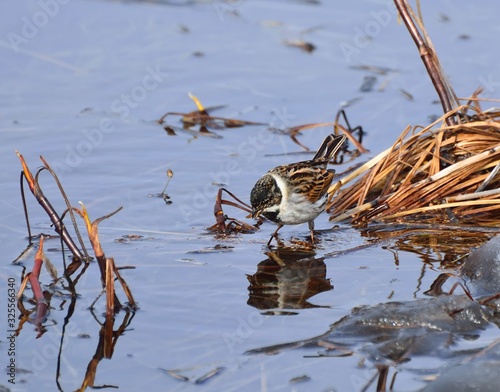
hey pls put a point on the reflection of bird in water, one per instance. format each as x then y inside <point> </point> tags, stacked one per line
<point>296,193</point>
<point>287,281</point>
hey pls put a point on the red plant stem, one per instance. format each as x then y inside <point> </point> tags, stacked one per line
<point>54,217</point>
<point>35,273</point>
<point>36,288</point>
<point>37,267</point>
<point>33,277</point>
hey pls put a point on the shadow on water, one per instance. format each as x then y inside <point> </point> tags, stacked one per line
<point>108,338</point>
<point>286,280</point>
<point>447,326</point>
<point>111,328</point>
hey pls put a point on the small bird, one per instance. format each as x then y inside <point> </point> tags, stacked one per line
<point>296,193</point>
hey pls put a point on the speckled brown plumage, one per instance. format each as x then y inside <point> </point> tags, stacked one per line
<point>296,193</point>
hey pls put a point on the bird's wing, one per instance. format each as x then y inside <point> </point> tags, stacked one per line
<point>312,182</point>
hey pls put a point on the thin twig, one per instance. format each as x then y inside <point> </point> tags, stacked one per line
<point>68,206</point>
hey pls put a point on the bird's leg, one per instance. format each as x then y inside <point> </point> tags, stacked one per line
<point>311,227</point>
<point>275,234</point>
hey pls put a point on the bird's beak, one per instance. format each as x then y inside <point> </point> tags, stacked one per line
<point>254,214</point>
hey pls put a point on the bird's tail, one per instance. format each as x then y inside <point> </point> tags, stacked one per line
<point>329,147</point>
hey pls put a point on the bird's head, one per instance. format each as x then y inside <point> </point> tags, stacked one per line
<point>265,195</point>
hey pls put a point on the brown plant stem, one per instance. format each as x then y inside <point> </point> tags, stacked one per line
<point>429,59</point>
<point>106,272</point>
<point>68,206</point>
<point>110,288</point>
<point>54,217</point>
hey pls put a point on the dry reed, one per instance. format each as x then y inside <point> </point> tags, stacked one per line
<point>444,172</point>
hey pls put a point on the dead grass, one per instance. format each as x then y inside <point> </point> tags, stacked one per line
<point>439,173</point>
<point>444,172</point>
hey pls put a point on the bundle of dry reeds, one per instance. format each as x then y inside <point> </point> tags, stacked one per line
<point>441,172</point>
<point>446,171</point>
